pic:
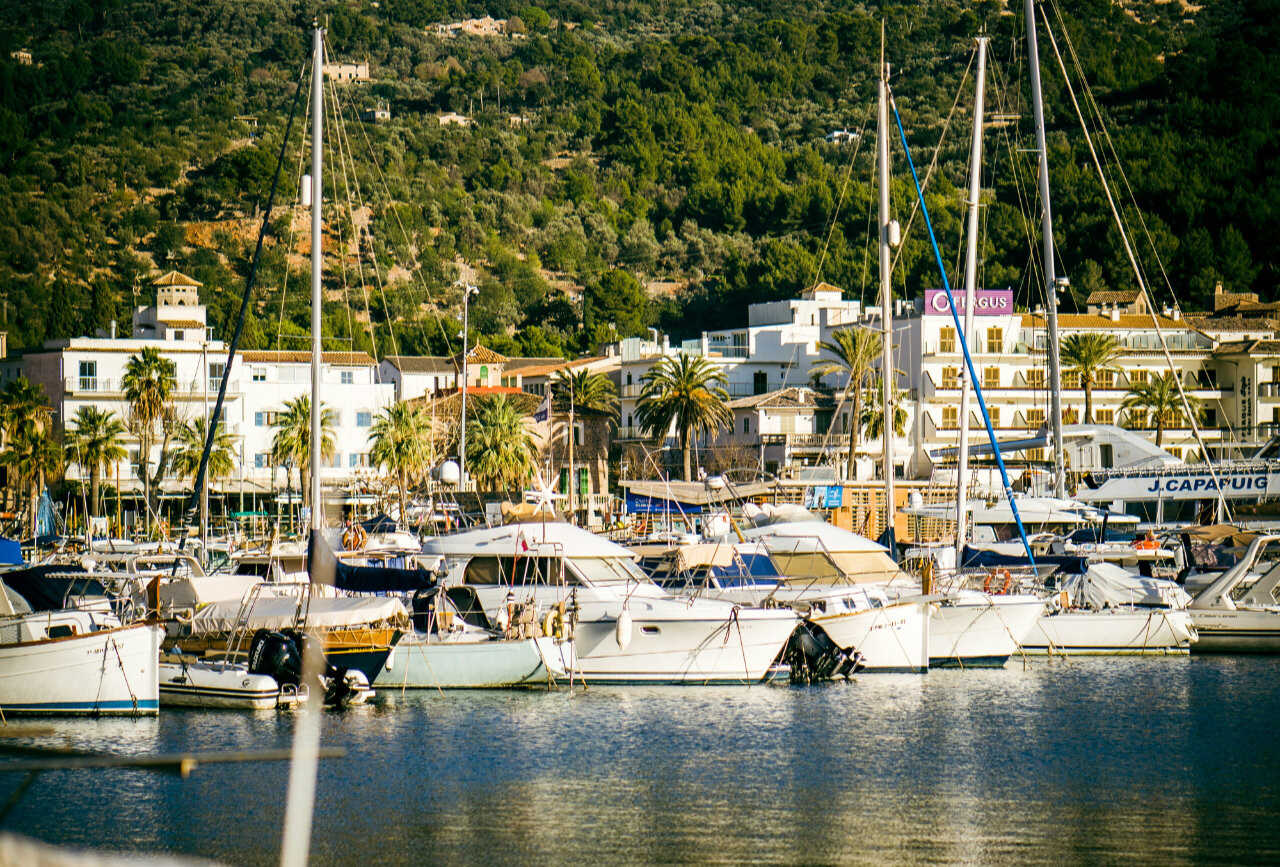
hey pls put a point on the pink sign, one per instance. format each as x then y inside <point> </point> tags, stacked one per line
<point>986,302</point>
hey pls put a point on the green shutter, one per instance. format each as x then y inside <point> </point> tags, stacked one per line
<point>584,482</point>
<point>564,480</point>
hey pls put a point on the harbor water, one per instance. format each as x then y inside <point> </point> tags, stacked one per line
<point>1166,759</point>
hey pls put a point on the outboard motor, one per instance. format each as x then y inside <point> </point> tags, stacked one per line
<point>812,656</point>
<point>276,654</point>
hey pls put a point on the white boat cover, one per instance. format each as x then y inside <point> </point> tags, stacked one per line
<point>194,592</point>
<point>281,612</point>
<point>1108,585</point>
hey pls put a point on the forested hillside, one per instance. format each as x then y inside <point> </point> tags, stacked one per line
<point>630,164</point>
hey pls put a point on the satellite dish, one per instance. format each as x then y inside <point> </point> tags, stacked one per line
<point>449,473</point>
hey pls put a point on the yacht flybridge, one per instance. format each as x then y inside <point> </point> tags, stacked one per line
<point>627,630</point>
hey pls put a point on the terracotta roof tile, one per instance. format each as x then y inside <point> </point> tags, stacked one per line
<point>182,323</point>
<point>176,278</point>
<point>422,363</point>
<point>1086,321</point>
<point>279,356</point>
<point>785,398</point>
<point>1127,296</point>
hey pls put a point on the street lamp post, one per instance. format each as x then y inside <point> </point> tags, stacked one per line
<point>467,291</point>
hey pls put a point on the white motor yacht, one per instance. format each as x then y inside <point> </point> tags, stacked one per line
<point>626,629</point>
<point>1240,611</point>
<point>964,628</point>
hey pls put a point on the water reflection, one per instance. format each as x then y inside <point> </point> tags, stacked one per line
<point>1080,761</point>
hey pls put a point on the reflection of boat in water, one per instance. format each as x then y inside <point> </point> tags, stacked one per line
<point>1240,611</point>
<point>626,629</point>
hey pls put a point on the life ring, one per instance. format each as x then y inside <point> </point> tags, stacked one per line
<point>553,623</point>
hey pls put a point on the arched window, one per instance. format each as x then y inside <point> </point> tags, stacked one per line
<point>484,374</point>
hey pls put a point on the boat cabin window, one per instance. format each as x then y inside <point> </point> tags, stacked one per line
<point>516,571</point>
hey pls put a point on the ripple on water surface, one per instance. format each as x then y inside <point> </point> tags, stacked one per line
<point>1169,759</point>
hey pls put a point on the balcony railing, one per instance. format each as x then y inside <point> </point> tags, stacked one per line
<point>108,385</point>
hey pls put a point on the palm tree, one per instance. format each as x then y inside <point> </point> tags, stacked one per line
<point>148,386</point>
<point>291,444</point>
<point>190,449</point>
<point>1159,397</point>
<point>33,455</point>
<point>1090,354</point>
<point>856,352</point>
<point>95,443</point>
<point>873,414</point>
<point>584,389</point>
<point>24,411</point>
<point>683,390</point>
<point>400,440</point>
<point>500,449</point>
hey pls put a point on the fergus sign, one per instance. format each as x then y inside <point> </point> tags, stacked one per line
<point>986,302</point>
<point>1190,485</point>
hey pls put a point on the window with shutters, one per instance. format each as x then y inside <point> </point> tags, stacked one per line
<point>947,340</point>
<point>950,418</point>
<point>950,377</point>
<point>991,378</point>
<point>1035,378</point>
<point>1071,379</point>
<point>995,340</point>
<point>1104,416</point>
<point>1035,418</point>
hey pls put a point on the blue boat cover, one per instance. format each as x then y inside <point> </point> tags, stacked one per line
<point>976,558</point>
<point>10,552</point>
<point>325,568</point>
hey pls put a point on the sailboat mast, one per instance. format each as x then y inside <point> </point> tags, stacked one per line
<point>295,848</point>
<point>317,190</point>
<point>970,281</point>
<point>886,289</point>
<point>1050,280</point>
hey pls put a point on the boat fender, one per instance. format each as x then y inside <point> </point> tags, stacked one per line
<point>622,632</point>
<point>391,660</point>
<point>503,619</point>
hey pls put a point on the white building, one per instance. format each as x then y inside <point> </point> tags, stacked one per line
<point>350,389</point>
<point>89,371</point>
<point>1009,353</point>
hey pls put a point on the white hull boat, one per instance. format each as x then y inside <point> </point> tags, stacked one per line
<point>475,661</point>
<point>980,630</point>
<point>1240,611</point>
<point>207,684</point>
<point>69,662</point>
<point>1117,631</point>
<point>626,630</point>
<point>893,637</point>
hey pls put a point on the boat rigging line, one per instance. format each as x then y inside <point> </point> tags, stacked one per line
<point>964,342</point>
<point>1142,284</point>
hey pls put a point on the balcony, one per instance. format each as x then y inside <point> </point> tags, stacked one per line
<point>107,386</point>
<point>633,432</point>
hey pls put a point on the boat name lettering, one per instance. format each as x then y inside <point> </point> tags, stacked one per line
<point>1176,484</point>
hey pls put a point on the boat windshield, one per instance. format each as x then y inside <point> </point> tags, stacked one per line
<point>607,570</point>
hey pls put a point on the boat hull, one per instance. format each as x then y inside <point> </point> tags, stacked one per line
<point>112,671</point>
<point>417,663</point>
<point>981,631</point>
<point>1137,631</point>
<point>218,685</point>
<point>890,638</point>
<point>1239,631</point>
<point>736,648</point>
